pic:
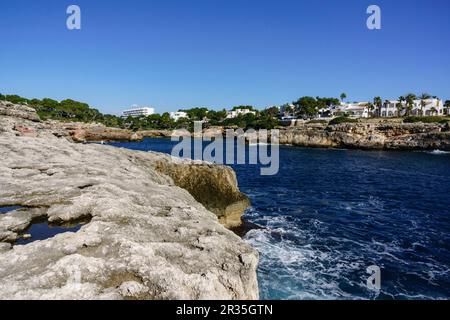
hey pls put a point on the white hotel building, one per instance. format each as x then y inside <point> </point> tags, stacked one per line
<point>136,112</point>
<point>431,107</point>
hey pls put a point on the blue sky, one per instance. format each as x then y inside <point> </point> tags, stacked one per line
<point>174,54</point>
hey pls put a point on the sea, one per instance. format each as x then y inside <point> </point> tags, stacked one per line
<point>330,217</point>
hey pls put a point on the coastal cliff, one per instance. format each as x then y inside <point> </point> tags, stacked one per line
<point>387,135</point>
<point>147,232</point>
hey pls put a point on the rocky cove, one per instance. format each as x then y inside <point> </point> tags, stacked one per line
<point>154,227</point>
<point>140,225</point>
<point>367,134</point>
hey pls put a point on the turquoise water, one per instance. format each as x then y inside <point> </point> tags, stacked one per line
<point>329,214</point>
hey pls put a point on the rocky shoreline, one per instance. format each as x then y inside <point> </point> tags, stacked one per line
<point>375,135</point>
<point>153,226</point>
<point>371,134</point>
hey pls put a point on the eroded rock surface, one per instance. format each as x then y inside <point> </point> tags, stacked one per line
<point>213,186</point>
<point>147,237</point>
<point>382,135</point>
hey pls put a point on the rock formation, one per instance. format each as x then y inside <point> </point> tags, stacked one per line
<point>213,186</point>
<point>146,236</point>
<point>366,135</point>
<point>84,132</point>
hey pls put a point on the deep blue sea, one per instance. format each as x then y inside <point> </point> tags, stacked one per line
<point>329,214</point>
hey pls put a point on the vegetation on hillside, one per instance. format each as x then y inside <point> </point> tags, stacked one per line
<point>426,119</point>
<point>304,108</point>
<point>308,107</point>
<point>340,120</point>
<point>75,111</point>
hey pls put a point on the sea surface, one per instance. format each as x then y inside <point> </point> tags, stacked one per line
<point>330,214</point>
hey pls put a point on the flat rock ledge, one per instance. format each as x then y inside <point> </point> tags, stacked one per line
<point>146,236</point>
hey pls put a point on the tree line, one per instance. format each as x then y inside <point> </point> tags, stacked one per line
<point>269,118</point>
<point>74,111</point>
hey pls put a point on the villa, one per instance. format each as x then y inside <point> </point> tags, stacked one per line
<point>136,112</point>
<point>175,116</point>
<point>287,112</point>
<point>235,113</point>
<point>427,107</point>
<point>357,110</point>
<point>353,110</point>
<point>390,108</point>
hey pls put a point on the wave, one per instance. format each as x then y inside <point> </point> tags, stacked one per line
<point>305,259</point>
<point>438,152</point>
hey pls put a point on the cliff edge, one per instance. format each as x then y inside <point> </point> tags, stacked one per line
<point>144,237</point>
<point>384,135</point>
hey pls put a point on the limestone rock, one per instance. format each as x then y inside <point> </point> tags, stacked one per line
<point>214,186</point>
<point>18,111</point>
<point>85,132</point>
<point>389,135</point>
<point>147,237</point>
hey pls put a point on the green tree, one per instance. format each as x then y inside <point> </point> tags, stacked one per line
<point>216,117</point>
<point>423,97</point>
<point>409,103</point>
<point>242,107</point>
<point>371,107</point>
<point>343,96</point>
<point>271,112</point>
<point>196,114</point>
<point>399,106</point>
<point>447,107</point>
<point>166,122</point>
<point>306,107</point>
<point>15,99</point>
<point>378,102</point>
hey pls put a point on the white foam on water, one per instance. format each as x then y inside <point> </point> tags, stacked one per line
<point>296,263</point>
<point>438,152</point>
<point>294,271</point>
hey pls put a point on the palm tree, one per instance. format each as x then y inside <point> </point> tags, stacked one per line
<point>400,108</point>
<point>386,104</point>
<point>370,106</point>
<point>409,103</point>
<point>378,102</point>
<point>447,107</point>
<point>423,97</point>
<point>343,96</point>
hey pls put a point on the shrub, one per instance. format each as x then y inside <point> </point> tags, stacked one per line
<point>428,119</point>
<point>340,120</point>
<point>317,121</point>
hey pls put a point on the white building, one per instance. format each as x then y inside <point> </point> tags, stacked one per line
<point>287,111</point>
<point>136,111</point>
<point>353,110</point>
<point>235,113</point>
<point>390,108</point>
<point>427,107</point>
<point>175,116</point>
<point>357,110</point>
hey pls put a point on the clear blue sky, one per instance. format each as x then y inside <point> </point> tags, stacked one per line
<point>218,53</point>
